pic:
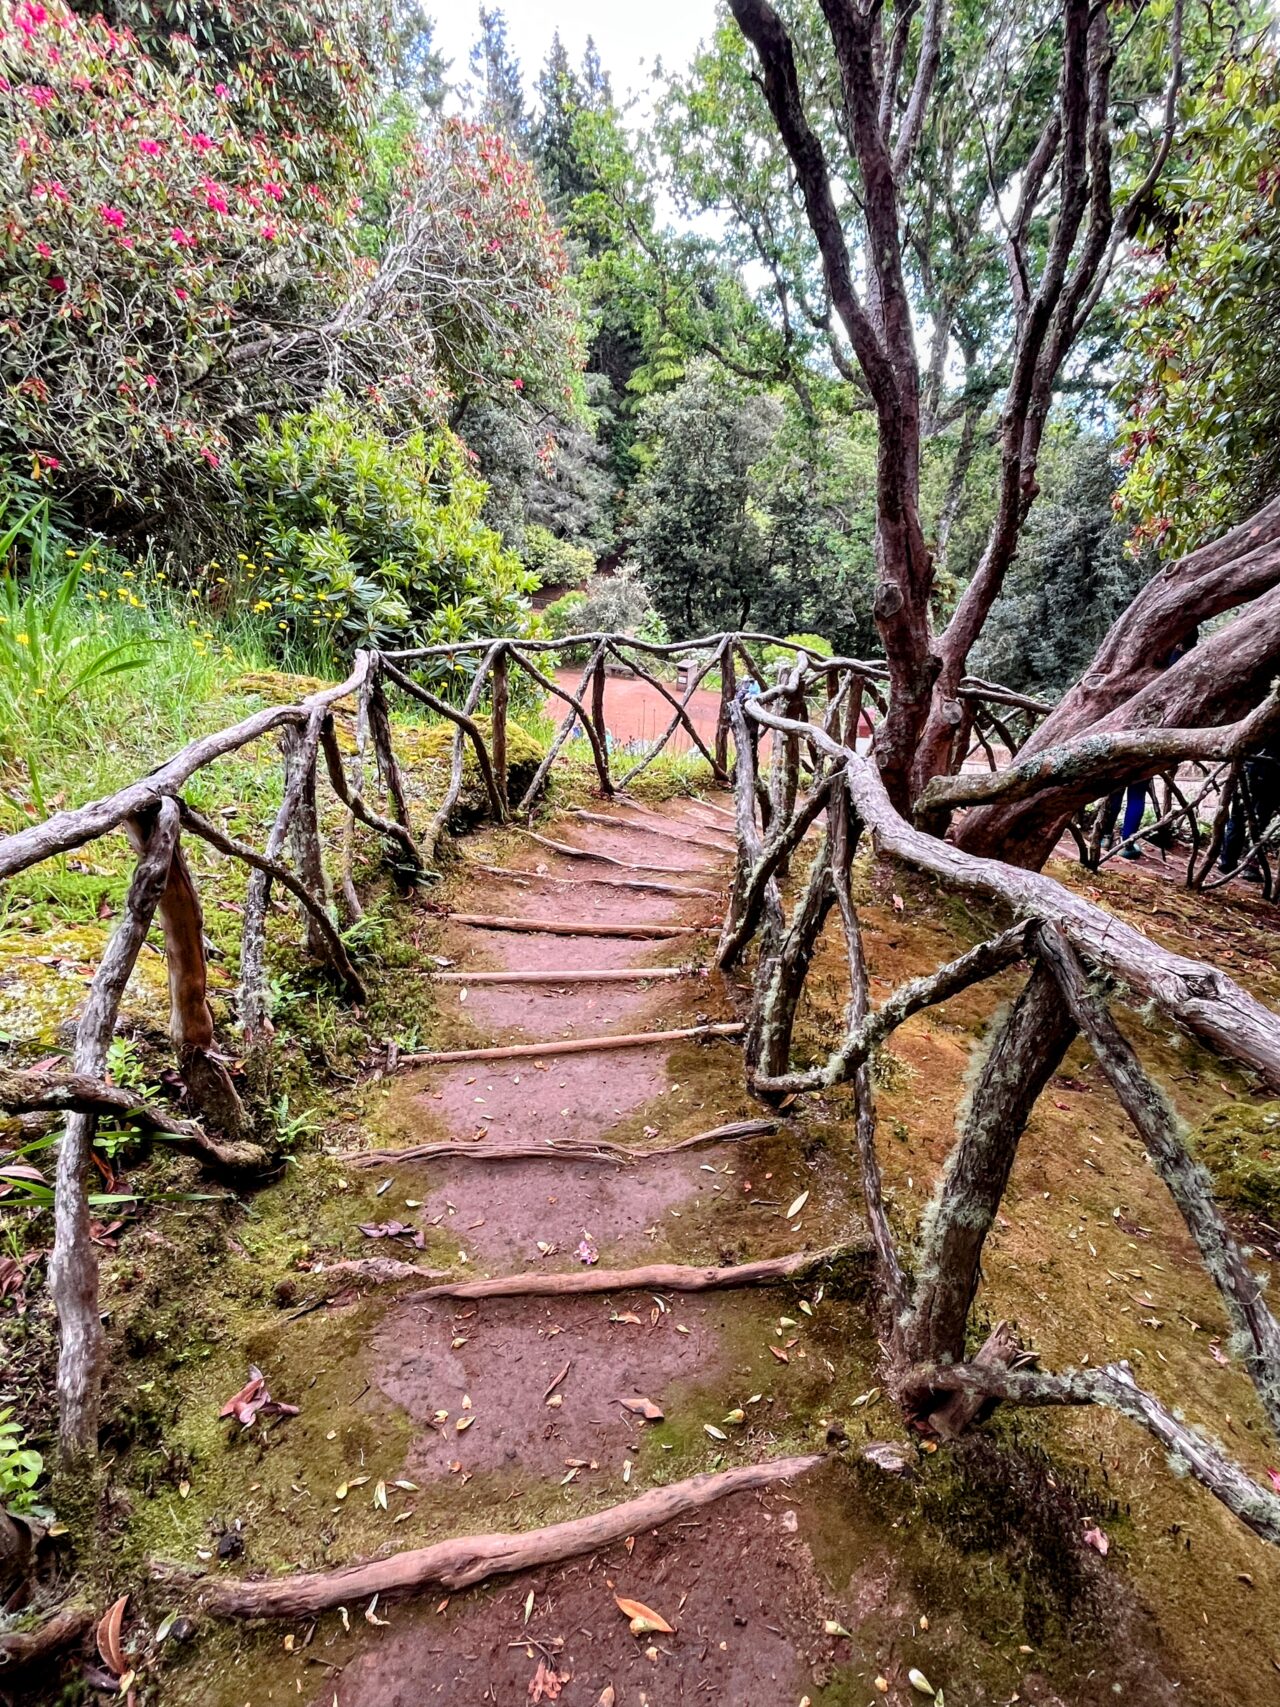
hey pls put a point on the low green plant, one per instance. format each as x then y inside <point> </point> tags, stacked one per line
<point>363,540</point>
<point>21,1467</point>
<point>51,658</point>
<point>556,562</point>
<point>813,644</point>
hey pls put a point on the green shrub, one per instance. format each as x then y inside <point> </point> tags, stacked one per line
<point>365,541</point>
<point>554,561</point>
<point>813,644</point>
<point>564,615</point>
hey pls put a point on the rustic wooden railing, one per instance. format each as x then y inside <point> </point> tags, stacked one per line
<point>821,793</point>
<point>815,792</point>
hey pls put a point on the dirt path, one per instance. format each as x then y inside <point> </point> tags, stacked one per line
<point>509,1413</point>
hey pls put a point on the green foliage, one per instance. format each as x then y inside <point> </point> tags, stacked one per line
<point>365,541</point>
<point>1202,364</point>
<point>1073,575</point>
<point>21,1467</point>
<point>556,562</point>
<point>813,644</point>
<point>749,515</point>
<point>564,615</point>
<point>621,604</point>
<point>51,661</point>
<point>213,194</point>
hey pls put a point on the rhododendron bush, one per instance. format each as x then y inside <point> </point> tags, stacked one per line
<point>187,243</point>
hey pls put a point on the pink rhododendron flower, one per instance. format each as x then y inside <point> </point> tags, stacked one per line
<point>148,145</point>
<point>112,216</point>
<point>210,456</point>
<point>56,283</point>
<point>150,381</point>
<point>182,238</point>
<point>215,201</point>
<point>270,232</point>
<point>202,140</point>
<point>275,191</point>
<point>41,95</point>
<point>221,91</point>
<point>44,251</point>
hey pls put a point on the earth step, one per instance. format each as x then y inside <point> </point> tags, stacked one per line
<point>567,1046</point>
<point>609,975</point>
<point>572,852</point>
<point>571,927</point>
<point>615,822</point>
<point>597,882</point>
<point>469,1559</point>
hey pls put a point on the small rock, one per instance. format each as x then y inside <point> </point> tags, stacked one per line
<point>790,1522</point>
<point>889,1456</point>
<point>230,1545</point>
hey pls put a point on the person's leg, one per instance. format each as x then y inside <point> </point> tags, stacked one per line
<point>1108,812</point>
<point>1135,805</point>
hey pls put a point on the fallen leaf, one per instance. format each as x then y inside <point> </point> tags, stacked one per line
<point>714,1432</point>
<point>380,1495</point>
<point>644,1620</point>
<point>919,1681</point>
<point>834,1628</point>
<point>642,1408</point>
<point>528,1605</point>
<point>587,1252</point>
<point>779,1353</point>
<point>545,1685</point>
<point>109,1627</point>
<point>371,1613</point>
<point>464,1422</point>
<point>1096,1539</point>
<point>797,1206</point>
<point>627,1316</point>
<point>606,1697</point>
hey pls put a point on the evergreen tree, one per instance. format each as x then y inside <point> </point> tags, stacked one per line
<point>1073,575</point>
<point>414,66</point>
<point>497,87</point>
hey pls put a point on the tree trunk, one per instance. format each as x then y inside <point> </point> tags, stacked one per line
<point>1216,682</point>
<point>1023,1056</point>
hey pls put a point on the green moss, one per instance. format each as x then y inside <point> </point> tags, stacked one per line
<point>432,747</point>
<point>1240,1145</point>
<point>44,978</point>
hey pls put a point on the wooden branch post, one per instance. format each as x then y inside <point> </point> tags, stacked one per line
<point>728,687</point>
<point>498,735</point>
<point>304,838</point>
<point>209,1084</point>
<point>73,1265</point>
<point>379,717</point>
<point>598,678</point>
<point>1021,1058</point>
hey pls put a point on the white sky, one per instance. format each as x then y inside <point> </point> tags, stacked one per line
<point>629,34</point>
